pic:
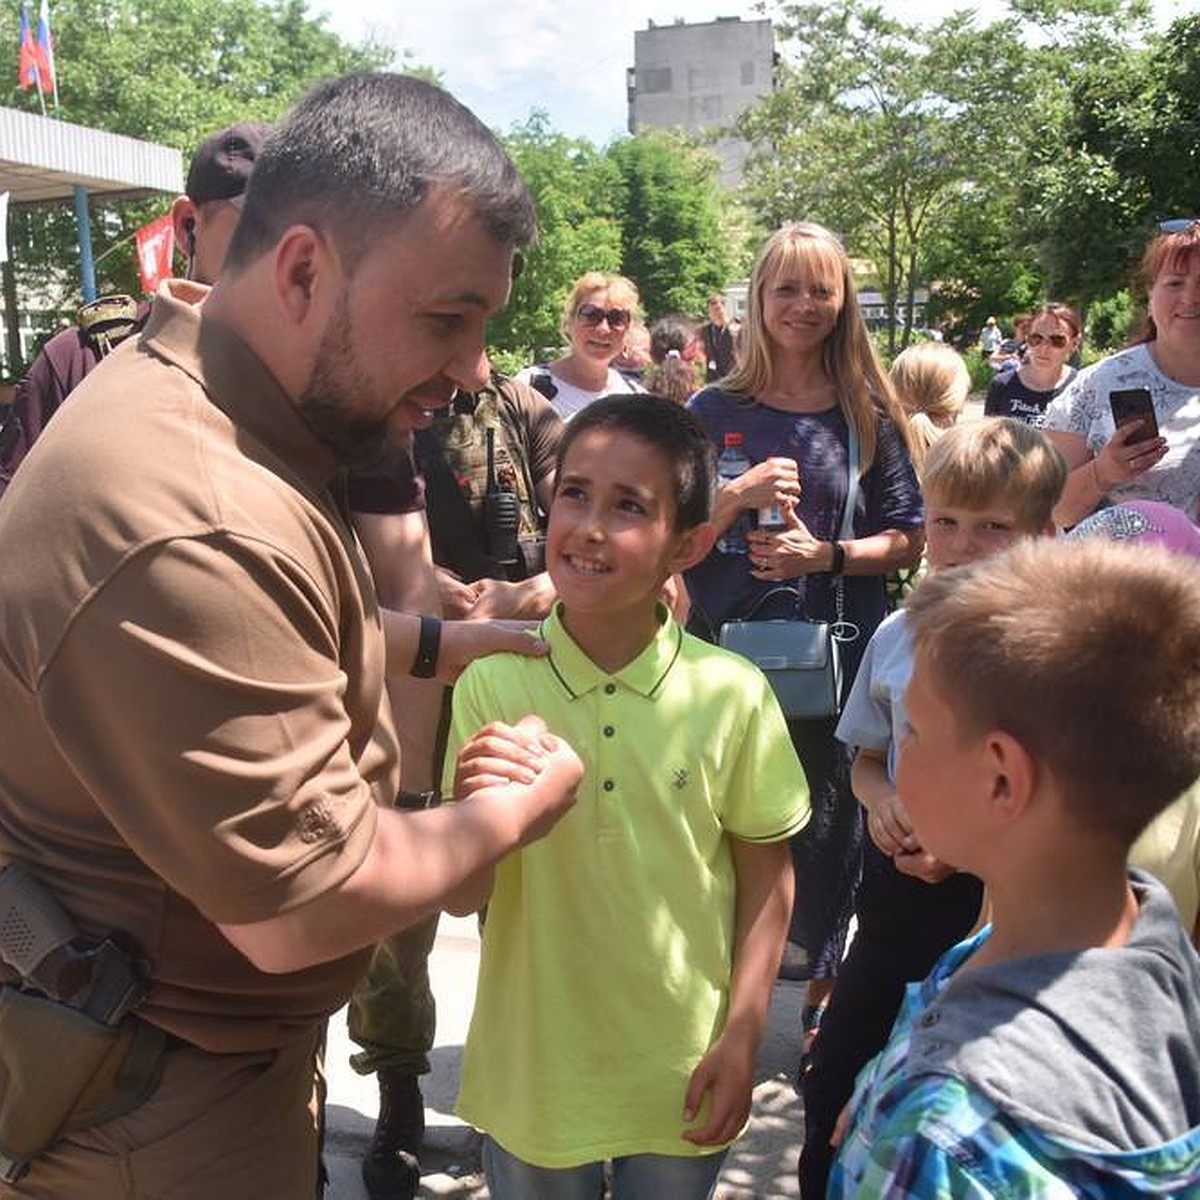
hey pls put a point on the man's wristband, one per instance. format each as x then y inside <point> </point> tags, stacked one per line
<point>428,643</point>
<point>838,563</point>
<point>417,801</point>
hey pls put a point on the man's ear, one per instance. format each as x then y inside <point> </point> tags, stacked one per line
<point>183,224</point>
<point>1014,775</point>
<point>694,545</point>
<point>307,273</point>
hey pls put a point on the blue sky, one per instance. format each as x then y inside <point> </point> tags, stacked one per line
<point>504,58</point>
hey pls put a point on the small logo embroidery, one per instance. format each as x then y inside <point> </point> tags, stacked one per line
<point>680,777</point>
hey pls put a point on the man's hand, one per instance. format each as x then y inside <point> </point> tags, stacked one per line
<point>525,769</point>
<point>457,598</point>
<point>465,641</point>
<point>528,599</point>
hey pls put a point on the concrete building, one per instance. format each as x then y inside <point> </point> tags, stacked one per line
<point>699,78</point>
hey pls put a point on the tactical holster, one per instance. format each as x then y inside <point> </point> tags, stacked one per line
<point>71,1052</point>
<point>61,1071</point>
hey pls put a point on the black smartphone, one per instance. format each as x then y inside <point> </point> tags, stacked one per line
<point>1134,404</point>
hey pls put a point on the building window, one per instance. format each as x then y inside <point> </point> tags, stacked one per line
<point>748,74</point>
<point>655,79</point>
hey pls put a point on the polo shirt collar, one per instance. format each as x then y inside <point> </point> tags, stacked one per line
<point>579,675</point>
<point>235,379</point>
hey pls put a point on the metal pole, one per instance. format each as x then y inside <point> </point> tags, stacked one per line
<point>83,228</point>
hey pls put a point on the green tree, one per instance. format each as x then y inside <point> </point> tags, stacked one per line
<point>169,71</point>
<point>875,129</point>
<point>675,243</point>
<point>573,186</point>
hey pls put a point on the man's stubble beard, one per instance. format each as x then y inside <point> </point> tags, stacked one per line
<point>334,391</point>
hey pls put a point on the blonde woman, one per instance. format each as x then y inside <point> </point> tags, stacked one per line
<point>807,374</point>
<point>931,382</point>
<point>595,320</point>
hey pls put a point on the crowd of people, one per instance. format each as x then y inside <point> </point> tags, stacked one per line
<point>247,558</point>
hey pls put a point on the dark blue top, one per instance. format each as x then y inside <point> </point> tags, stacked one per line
<point>721,587</point>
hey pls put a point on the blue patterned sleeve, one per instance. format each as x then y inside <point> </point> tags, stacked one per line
<point>892,496</point>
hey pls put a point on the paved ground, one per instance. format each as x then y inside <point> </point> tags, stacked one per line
<point>762,1166</point>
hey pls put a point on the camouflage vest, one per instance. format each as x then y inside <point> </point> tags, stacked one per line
<point>452,455</point>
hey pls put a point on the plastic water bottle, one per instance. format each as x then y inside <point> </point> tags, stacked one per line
<point>732,463</point>
<point>771,519</point>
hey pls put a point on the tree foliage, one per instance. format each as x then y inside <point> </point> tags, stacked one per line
<point>997,160</point>
<point>674,242</point>
<point>168,71</point>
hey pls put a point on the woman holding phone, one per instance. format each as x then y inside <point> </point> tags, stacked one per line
<point>1150,450</point>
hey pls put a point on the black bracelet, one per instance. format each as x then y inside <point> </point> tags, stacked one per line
<point>838,565</point>
<point>417,801</point>
<point>428,643</point>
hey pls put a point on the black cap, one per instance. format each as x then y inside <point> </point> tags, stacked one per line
<point>221,168</point>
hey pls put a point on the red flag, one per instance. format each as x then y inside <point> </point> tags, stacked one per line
<point>28,69</point>
<point>156,248</point>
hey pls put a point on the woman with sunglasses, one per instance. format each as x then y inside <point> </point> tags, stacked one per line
<point>595,321</point>
<point>1111,464</point>
<point>808,374</point>
<point>1025,392</point>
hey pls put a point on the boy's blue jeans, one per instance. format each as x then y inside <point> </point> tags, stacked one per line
<point>637,1177</point>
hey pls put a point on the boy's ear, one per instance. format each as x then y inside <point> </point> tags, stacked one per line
<point>1014,774</point>
<point>694,545</point>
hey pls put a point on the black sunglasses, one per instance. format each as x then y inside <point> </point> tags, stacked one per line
<point>1178,224</point>
<point>593,314</point>
<point>1057,340</point>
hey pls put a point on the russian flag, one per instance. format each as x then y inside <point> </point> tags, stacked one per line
<point>27,69</point>
<point>45,50</point>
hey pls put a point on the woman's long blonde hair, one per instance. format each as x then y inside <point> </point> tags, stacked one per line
<point>859,380</point>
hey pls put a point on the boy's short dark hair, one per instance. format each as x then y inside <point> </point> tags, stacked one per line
<point>1088,653</point>
<point>996,460</point>
<point>667,428</point>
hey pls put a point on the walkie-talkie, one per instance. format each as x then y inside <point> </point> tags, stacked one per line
<point>501,513</point>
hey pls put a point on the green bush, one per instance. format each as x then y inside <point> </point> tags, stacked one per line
<point>1110,322</point>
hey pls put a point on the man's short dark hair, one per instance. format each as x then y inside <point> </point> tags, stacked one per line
<point>357,154</point>
<point>665,427</point>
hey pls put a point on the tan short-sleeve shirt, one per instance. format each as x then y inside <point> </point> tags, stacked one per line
<point>193,721</point>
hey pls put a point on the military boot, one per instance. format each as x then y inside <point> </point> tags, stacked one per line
<point>391,1170</point>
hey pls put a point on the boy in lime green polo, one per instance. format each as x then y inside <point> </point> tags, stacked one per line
<point>629,956</point>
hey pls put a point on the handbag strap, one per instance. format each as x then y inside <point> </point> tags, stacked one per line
<point>852,461</point>
<point>843,630</point>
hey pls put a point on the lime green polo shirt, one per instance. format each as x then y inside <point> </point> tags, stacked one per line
<point>608,946</point>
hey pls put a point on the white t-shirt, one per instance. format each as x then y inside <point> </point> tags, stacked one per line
<point>569,399</point>
<point>1083,408</point>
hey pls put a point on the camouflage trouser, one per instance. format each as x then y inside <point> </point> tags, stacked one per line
<point>392,1012</point>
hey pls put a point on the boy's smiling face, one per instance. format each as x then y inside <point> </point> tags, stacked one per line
<point>611,541</point>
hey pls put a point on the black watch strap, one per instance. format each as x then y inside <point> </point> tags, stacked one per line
<point>415,801</point>
<point>428,644</point>
<point>838,565</point>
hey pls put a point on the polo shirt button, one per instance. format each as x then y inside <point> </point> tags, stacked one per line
<point>609,785</point>
<point>609,731</point>
<point>609,688</point>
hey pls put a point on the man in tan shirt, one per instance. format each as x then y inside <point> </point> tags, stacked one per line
<point>196,747</point>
